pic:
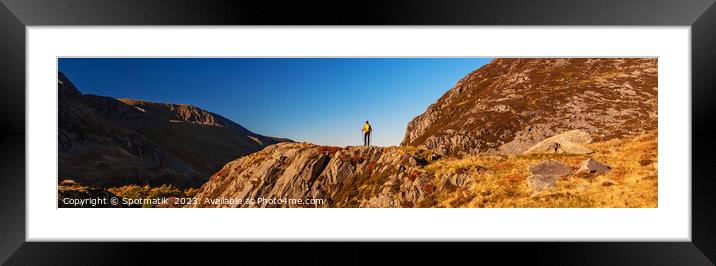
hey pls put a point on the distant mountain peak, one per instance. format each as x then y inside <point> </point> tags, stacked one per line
<point>179,112</point>
<point>65,87</point>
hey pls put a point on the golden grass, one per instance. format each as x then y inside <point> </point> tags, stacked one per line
<point>500,181</point>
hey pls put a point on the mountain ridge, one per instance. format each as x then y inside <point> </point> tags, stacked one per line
<point>108,142</point>
<point>195,115</point>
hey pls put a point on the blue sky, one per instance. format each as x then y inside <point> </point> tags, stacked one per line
<point>319,100</point>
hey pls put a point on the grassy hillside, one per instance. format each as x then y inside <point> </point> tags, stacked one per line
<point>501,181</point>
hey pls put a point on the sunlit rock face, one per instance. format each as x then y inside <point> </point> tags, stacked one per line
<point>509,105</point>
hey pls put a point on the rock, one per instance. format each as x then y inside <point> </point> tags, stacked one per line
<point>546,174</point>
<point>550,168</point>
<point>570,142</point>
<point>539,183</point>
<point>591,166</point>
<point>575,136</point>
<point>415,161</point>
<point>350,177</point>
<point>460,180</point>
<point>526,138</point>
<point>501,108</point>
<point>608,183</point>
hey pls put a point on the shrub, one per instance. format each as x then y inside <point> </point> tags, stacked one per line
<point>428,188</point>
<point>512,179</point>
<point>328,150</point>
<point>370,166</point>
<point>349,191</point>
<point>448,186</point>
<point>147,192</point>
<point>427,202</point>
<point>461,201</point>
<point>131,191</point>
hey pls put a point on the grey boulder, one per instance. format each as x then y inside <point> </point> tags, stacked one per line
<point>539,183</point>
<point>550,167</point>
<point>593,167</point>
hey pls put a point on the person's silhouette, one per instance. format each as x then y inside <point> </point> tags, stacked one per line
<point>366,133</point>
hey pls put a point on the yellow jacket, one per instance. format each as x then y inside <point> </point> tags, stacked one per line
<point>367,128</point>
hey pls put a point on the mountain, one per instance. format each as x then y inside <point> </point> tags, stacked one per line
<point>511,104</point>
<point>110,142</point>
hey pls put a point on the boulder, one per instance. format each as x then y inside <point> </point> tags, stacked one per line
<point>571,142</point>
<point>550,168</point>
<point>539,183</point>
<point>545,174</point>
<point>591,166</point>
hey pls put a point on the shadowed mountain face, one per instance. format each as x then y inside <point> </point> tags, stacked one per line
<point>509,105</point>
<point>110,142</point>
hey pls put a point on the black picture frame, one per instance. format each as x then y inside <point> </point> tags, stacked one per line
<point>16,15</point>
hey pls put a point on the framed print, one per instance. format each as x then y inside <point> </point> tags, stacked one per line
<point>558,131</point>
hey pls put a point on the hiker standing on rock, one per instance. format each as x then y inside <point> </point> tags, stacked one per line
<point>366,133</point>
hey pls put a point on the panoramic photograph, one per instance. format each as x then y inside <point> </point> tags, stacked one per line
<point>357,133</point>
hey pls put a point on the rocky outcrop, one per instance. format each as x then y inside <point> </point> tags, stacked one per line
<point>108,142</point>
<point>509,105</point>
<point>339,177</point>
<point>592,167</point>
<point>571,142</point>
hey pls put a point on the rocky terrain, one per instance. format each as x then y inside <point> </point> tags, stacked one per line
<point>619,173</point>
<point>344,177</point>
<point>509,105</point>
<point>111,142</point>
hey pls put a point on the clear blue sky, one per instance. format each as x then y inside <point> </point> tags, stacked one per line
<point>319,100</point>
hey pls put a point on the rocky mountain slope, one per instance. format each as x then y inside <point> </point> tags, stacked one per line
<point>509,105</point>
<point>343,177</point>
<point>620,173</point>
<point>109,142</point>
